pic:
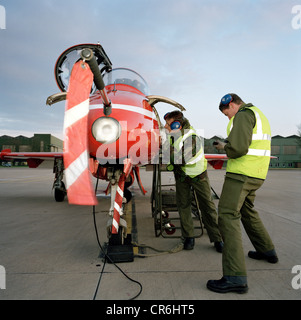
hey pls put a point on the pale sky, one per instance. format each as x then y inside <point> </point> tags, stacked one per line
<point>192,51</point>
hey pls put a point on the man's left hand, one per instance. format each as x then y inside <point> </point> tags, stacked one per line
<point>219,145</point>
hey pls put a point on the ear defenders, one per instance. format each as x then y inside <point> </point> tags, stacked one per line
<point>226,99</point>
<point>175,125</point>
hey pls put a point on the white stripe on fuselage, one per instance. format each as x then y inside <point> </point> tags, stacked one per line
<point>144,112</point>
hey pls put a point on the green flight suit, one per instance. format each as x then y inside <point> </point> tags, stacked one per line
<point>199,181</point>
<point>202,188</point>
<point>237,203</point>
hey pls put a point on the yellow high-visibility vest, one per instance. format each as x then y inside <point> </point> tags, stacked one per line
<point>195,165</point>
<point>256,162</point>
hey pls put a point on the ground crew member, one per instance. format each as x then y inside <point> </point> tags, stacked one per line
<point>190,169</point>
<point>248,147</point>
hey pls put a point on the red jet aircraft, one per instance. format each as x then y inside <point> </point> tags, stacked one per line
<point>111,128</point>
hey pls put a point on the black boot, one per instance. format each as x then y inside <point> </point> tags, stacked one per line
<point>219,246</point>
<point>271,258</point>
<point>223,286</point>
<point>189,243</point>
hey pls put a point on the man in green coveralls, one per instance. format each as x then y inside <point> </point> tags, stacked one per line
<point>248,147</point>
<point>184,147</point>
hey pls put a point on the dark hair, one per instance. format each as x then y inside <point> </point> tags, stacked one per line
<point>176,115</point>
<point>235,98</point>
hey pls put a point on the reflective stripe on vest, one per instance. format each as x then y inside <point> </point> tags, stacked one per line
<point>260,153</point>
<point>256,162</point>
<point>198,163</point>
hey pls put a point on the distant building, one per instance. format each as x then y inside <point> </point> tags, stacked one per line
<point>37,143</point>
<point>286,149</point>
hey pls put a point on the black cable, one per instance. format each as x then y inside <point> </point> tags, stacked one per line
<point>106,256</point>
<point>98,283</point>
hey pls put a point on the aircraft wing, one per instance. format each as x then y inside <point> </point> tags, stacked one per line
<point>216,160</point>
<point>33,159</point>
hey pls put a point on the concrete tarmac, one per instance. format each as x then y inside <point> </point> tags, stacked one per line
<point>49,250</point>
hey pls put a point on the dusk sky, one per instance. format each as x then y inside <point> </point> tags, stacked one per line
<point>192,51</point>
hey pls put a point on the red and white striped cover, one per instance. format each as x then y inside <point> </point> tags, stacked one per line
<point>76,155</point>
<point>119,196</point>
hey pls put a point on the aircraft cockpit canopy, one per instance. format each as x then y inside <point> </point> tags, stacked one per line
<point>128,77</point>
<point>110,76</point>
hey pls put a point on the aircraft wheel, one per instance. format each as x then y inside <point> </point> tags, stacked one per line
<point>59,193</point>
<point>165,214</point>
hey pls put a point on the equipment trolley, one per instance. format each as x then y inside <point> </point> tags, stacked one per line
<point>164,206</point>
